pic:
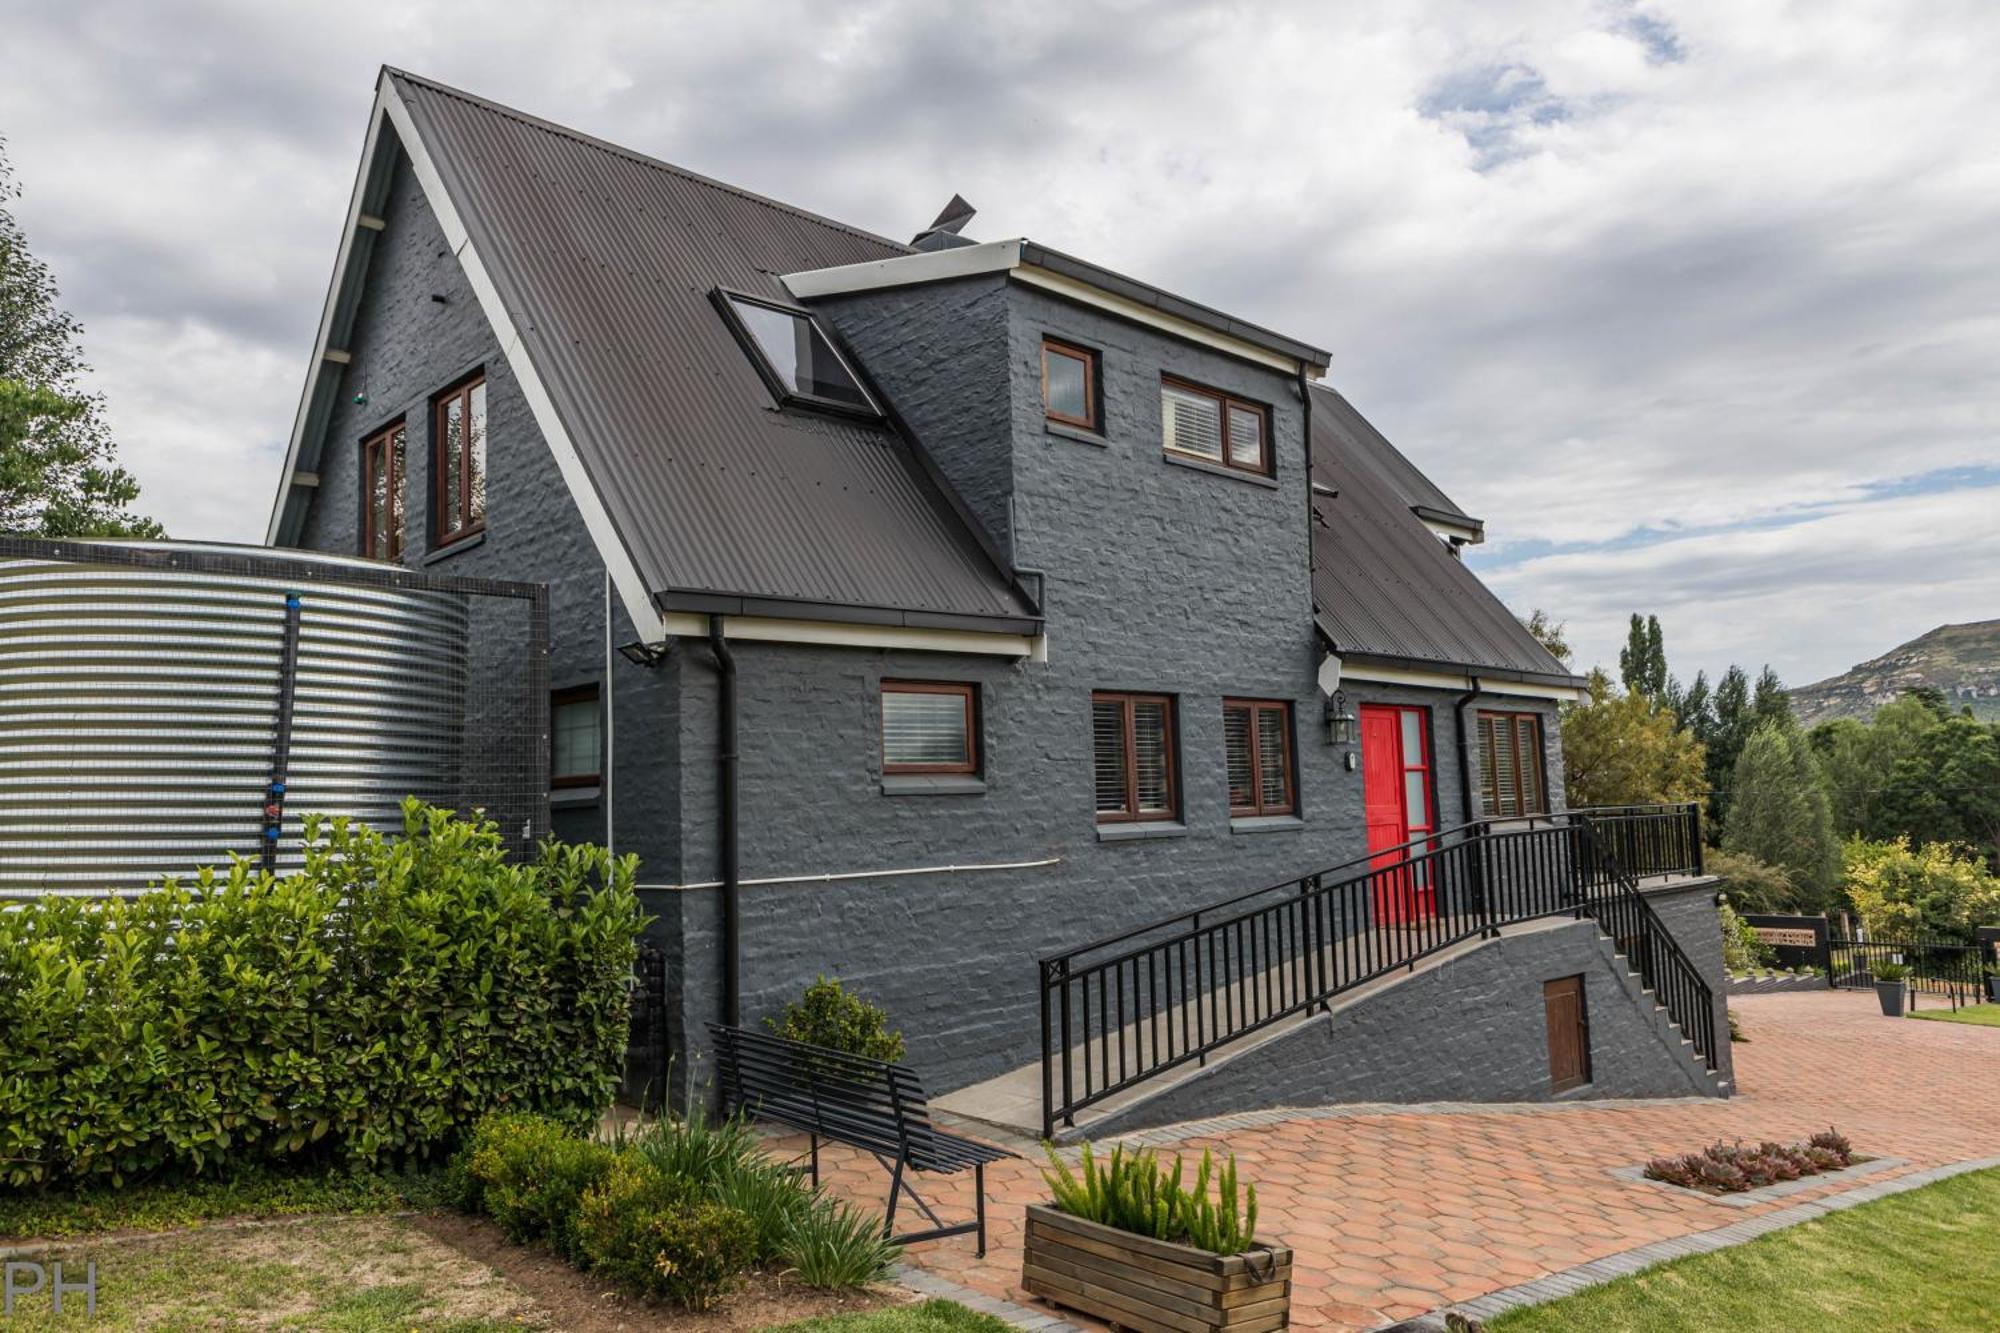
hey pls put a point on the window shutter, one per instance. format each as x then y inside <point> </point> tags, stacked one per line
<point>1236,756</point>
<point>1107,739</point>
<point>1192,422</point>
<point>1149,746</point>
<point>1271,756</point>
<point>924,728</point>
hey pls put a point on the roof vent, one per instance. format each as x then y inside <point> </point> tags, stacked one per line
<point>942,234</point>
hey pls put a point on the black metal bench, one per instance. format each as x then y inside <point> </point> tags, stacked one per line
<point>872,1105</point>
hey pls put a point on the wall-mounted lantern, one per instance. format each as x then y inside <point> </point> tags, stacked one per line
<point>1341,725</point>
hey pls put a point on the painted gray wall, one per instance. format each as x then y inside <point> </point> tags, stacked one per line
<point>1471,1029</point>
<point>1689,913</point>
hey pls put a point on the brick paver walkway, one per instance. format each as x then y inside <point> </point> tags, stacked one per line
<point>1396,1212</point>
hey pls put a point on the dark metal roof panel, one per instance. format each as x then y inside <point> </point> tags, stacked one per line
<point>1369,448</point>
<point>606,260</point>
<point>1384,586</point>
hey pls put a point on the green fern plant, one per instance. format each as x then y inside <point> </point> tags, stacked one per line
<point>1134,1192</point>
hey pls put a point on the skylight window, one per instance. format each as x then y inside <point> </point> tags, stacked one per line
<point>796,357</point>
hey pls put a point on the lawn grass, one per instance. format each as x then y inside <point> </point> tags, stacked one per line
<point>340,1275</point>
<point>927,1317</point>
<point>157,1206</point>
<point>1979,1015</point>
<point>1916,1261</point>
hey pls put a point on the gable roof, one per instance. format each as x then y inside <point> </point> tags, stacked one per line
<point>596,265</point>
<point>1370,448</point>
<point>1384,587</point>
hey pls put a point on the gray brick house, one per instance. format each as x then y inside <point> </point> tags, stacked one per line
<point>917,610</point>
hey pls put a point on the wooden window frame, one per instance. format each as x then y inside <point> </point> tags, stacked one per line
<point>966,690</point>
<point>1129,728</point>
<point>1226,401</point>
<point>460,393</point>
<point>1535,774</point>
<point>1089,420</point>
<point>1258,808</point>
<point>571,695</point>
<point>376,445</point>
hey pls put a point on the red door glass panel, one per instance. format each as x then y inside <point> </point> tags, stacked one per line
<point>1396,805</point>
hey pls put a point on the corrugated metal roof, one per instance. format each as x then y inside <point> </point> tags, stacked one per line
<point>1384,586</point>
<point>606,260</point>
<point>1371,449</point>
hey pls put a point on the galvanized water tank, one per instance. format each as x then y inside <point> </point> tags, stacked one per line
<point>139,710</point>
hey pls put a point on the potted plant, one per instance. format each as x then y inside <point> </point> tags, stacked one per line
<point>1993,985</point>
<point>1125,1241</point>
<point>1892,987</point>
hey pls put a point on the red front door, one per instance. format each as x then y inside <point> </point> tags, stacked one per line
<point>1396,802</point>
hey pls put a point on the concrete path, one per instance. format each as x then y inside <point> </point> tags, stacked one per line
<point>1397,1211</point>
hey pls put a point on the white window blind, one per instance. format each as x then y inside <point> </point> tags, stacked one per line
<point>1192,422</point>
<point>1246,437</point>
<point>925,728</point>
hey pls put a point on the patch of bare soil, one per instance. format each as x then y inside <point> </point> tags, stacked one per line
<point>577,1302</point>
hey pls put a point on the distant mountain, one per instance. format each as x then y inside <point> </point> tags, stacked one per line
<point>1961,660</point>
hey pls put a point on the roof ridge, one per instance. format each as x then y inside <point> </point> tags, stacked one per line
<point>643,159</point>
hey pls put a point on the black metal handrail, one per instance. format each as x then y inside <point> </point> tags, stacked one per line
<point>1131,1006</point>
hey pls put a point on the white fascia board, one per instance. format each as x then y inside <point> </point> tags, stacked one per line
<point>960,261</point>
<point>320,364</point>
<point>1455,532</point>
<point>964,261</point>
<point>1457,680</point>
<point>624,573</point>
<point>837,634</point>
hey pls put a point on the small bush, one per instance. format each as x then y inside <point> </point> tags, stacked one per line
<point>696,1148</point>
<point>530,1174</point>
<point>1742,951</point>
<point>833,1244</point>
<point>772,1196</point>
<point>827,1015</point>
<point>650,1232</point>
<point>1136,1193</point>
<point>1730,1168</point>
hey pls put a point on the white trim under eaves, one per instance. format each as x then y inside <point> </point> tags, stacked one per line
<point>1450,680</point>
<point>965,261</point>
<point>1454,531</point>
<point>840,634</point>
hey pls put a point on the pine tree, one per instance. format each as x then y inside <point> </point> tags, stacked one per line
<point>1779,811</point>
<point>58,474</point>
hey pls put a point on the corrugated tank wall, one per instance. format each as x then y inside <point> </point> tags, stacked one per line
<point>139,713</point>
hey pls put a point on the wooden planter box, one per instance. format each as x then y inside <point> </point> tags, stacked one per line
<point>1139,1283</point>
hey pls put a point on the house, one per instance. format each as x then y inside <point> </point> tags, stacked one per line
<point>917,611</point>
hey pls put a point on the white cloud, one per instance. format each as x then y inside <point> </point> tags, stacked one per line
<point>1599,266</point>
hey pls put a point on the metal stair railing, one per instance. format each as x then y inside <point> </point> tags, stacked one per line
<point>1132,1006</point>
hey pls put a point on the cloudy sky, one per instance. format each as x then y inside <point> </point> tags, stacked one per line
<point>1698,304</point>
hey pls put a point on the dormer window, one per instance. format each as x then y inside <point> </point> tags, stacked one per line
<point>1215,427</point>
<point>795,356</point>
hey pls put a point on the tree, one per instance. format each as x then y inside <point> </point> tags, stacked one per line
<point>1642,662</point>
<point>1693,709</point>
<point>58,474</point>
<point>1551,633</point>
<point>1729,728</point>
<point>1780,814</point>
<point>1772,702</point>
<point>1946,788</point>
<point>1904,892</point>
<point>1754,886</point>
<point>1860,759</point>
<point>1625,749</point>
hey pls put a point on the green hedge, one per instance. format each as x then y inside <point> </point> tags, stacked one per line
<point>368,1009</point>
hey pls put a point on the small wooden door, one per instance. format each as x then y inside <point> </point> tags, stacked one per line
<point>1396,805</point>
<point>1569,1033</point>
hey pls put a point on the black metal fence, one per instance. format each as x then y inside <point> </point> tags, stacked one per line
<point>1129,1007</point>
<point>1948,969</point>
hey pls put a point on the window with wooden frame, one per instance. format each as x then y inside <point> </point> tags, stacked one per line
<point>1132,751</point>
<point>1069,384</point>
<point>458,472</point>
<point>1257,755</point>
<point>1511,781</point>
<point>576,737</point>
<point>1215,427</point>
<point>382,484</point>
<point>929,726</point>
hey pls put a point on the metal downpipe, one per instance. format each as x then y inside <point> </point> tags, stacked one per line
<point>728,827</point>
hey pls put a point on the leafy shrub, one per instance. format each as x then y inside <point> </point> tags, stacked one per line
<point>1757,886</point>
<point>1731,1168</point>
<point>363,1011</point>
<point>833,1244</point>
<point>827,1015</point>
<point>1742,951</point>
<point>1133,1192</point>
<point>653,1233</point>
<point>1933,891</point>
<point>697,1148</point>
<point>530,1173</point>
<point>771,1195</point>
